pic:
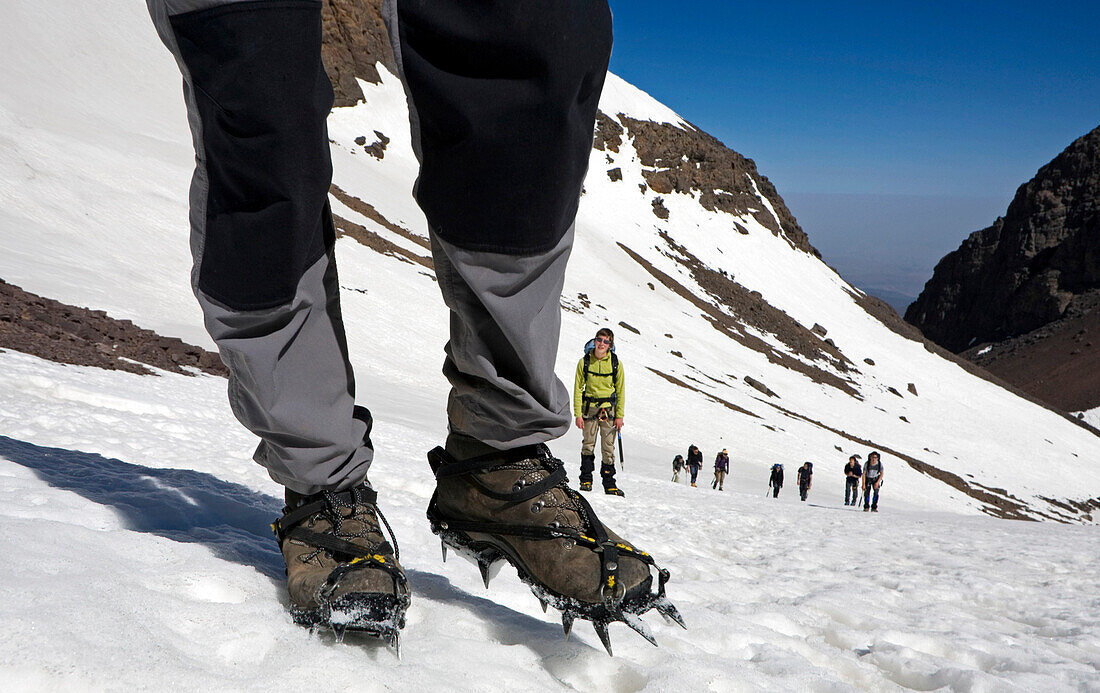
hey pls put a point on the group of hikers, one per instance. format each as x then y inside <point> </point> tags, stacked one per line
<point>870,477</point>
<point>694,463</point>
<point>599,400</point>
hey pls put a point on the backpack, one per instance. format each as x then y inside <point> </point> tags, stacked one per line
<point>678,463</point>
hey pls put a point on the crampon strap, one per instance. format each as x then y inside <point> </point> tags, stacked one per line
<point>594,536</point>
<point>328,502</point>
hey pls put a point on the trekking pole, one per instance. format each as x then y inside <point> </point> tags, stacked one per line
<point>622,462</point>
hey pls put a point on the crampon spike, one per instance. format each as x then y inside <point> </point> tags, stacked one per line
<point>489,569</point>
<point>395,642</point>
<point>544,605</point>
<point>567,622</point>
<point>601,630</point>
<point>443,546</point>
<point>638,626</point>
<point>666,609</point>
<point>338,630</point>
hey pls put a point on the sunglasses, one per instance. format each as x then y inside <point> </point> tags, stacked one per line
<point>602,340</point>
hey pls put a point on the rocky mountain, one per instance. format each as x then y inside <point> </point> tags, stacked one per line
<point>1020,296</point>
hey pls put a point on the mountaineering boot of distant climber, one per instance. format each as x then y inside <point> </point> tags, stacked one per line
<point>599,400</point>
<point>263,242</point>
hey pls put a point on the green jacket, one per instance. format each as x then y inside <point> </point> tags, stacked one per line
<point>599,386</point>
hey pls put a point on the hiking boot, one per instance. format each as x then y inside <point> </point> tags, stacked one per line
<point>613,491</point>
<point>874,508</point>
<point>515,506</point>
<point>866,508</point>
<point>341,571</point>
<point>586,485</point>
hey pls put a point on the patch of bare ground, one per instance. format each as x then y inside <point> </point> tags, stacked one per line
<point>1058,363</point>
<point>881,311</point>
<point>753,310</point>
<point>376,243</point>
<point>714,398</point>
<point>62,333</point>
<point>367,209</point>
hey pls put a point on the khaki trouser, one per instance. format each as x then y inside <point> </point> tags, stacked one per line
<point>606,428</point>
<point>719,479</point>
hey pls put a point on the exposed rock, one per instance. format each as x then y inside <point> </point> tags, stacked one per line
<point>659,208</point>
<point>354,38</point>
<point>757,385</point>
<point>1025,270</point>
<point>912,389</point>
<point>59,332</point>
<point>869,362</point>
<point>609,134</point>
<point>689,161</point>
<point>615,174</point>
<point>819,330</point>
<point>629,327</point>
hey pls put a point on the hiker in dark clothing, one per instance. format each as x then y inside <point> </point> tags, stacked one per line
<point>677,467</point>
<point>694,462</point>
<point>775,482</point>
<point>872,481</point>
<point>805,478</point>
<point>721,469</point>
<point>852,474</point>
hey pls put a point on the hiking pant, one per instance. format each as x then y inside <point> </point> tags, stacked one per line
<point>502,99</point>
<point>775,491</point>
<point>694,474</point>
<point>593,424</point>
<point>719,478</point>
<point>803,489</point>
<point>676,476</point>
<point>851,490</point>
<point>868,498</point>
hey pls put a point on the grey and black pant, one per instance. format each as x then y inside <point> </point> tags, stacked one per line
<point>502,98</point>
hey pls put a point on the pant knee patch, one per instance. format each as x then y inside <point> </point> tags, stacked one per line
<point>263,98</point>
<point>505,93</point>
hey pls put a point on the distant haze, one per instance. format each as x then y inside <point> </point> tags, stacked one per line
<point>890,243</point>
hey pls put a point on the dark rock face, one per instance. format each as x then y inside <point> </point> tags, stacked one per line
<point>1025,270</point>
<point>354,38</point>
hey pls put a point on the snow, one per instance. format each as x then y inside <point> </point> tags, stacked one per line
<point>135,523</point>
<point>621,97</point>
<point>145,562</point>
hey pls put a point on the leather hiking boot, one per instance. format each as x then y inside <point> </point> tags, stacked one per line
<point>515,506</point>
<point>341,571</point>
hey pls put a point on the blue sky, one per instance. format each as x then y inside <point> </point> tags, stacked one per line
<point>892,130</point>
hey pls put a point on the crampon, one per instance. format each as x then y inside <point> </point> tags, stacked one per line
<point>350,577</point>
<point>535,492</point>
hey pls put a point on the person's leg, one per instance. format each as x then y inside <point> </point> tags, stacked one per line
<point>874,500</point>
<point>502,101</point>
<point>588,450</point>
<point>264,274</point>
<point>608,435</point>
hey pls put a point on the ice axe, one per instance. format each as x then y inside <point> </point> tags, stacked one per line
<point>622,462</point>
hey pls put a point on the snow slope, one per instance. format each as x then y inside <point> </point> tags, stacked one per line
<point>135,522</point>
